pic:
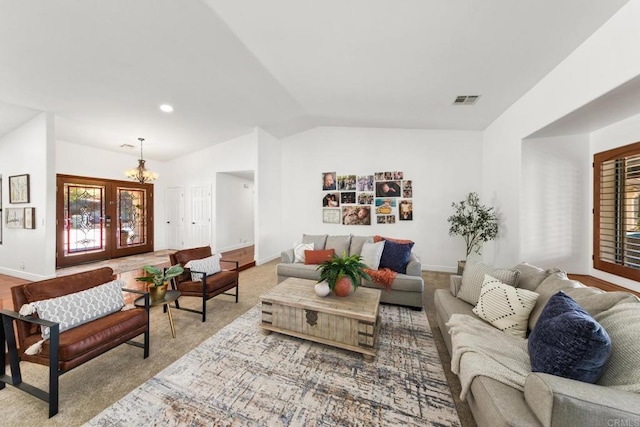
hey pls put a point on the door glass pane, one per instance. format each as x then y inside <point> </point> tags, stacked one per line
<point>83,219</point>
<point>131,217</point>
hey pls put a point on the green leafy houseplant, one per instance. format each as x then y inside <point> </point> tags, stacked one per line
<point>476,223</point>
<point>350,267</point>
<point>159,276</point>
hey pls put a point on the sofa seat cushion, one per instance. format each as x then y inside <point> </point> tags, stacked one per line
<point>568,342</point>
<point>219,281</point>
<point>301,271</point>
<point>87,337</point>
<point>402,283</point>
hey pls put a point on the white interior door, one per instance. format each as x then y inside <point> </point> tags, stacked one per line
<point>200,224</point>
<point>174,208</point>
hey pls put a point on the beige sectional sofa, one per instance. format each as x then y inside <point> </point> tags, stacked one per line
<point>407,288</point>
<point>545,399</point>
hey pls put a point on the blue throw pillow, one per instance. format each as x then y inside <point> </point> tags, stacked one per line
<point>568,342</point>
<point>395,256</point>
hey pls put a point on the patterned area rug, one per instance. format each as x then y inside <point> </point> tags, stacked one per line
<point>241,377</point>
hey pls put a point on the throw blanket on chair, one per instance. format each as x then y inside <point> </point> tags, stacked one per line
<point>383,277</point>
<point>487,351</point>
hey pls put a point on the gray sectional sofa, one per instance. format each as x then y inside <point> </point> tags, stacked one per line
<point>407,289</point>
<point>549,400</point>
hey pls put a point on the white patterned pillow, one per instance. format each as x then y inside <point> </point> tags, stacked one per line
<point>81,307</point>
<point>473,277</point>
<point>371,254</point>
<point>208,265</point>
<point>298,251</point>
<point>505,307</point>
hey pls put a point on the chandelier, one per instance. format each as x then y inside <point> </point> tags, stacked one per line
<point>141,174</point>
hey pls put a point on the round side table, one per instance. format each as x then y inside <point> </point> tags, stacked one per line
<point>169,297</point>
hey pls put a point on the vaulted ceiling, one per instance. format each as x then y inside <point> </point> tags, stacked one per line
<point>226,66</point>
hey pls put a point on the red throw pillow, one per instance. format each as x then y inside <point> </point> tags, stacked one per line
<point>318,257</point>
<point>377,239</point>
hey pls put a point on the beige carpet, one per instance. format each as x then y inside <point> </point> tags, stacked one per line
<point>92,387</point>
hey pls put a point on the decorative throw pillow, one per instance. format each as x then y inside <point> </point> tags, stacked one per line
<point>377,238</point>
<point>473,277</point>
<point>622,323</point>
<point>78,308</point>
<point>505,307</point>
<point>371,254</point>
<point>395,256</point>
<point>355,247</point>
<point>209,265</point>
<point>298,251</point>
<point>318,257</point>
<point>568,342</point>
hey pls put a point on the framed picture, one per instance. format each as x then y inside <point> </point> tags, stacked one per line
<point>19,189</point>
<point>30,218</point>
<point>15,218</point>
<point>331,216</point>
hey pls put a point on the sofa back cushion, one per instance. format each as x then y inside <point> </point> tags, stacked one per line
<point>473,277</point>
<point>340,244</point>
<point>622,323</point>
<point>355,247</point>
<point>531,276</point>
<point>65,285</point>
<point>318,240</point>
<point>548,288</point>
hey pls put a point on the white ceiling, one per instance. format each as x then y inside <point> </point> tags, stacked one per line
<point>104,67</point>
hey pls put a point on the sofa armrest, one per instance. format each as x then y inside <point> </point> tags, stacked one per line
<point>414,267</point>
<point>560,401</point>
<point>287,256</point>
<point>454,284</point>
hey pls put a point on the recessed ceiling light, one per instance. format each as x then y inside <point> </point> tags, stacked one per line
<point>166,108</point>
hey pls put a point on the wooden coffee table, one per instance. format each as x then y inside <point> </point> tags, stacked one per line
<point>351,323</point>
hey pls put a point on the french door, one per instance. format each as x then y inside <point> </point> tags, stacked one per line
<point>99,219</point>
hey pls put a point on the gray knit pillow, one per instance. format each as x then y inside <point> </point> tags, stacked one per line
<point>473,276</point>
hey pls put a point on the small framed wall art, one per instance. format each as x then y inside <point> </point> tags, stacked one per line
<point>30,218</point>
<point>19,189</point>
<point>15,218</point>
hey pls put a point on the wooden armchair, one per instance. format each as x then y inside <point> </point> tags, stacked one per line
<point>207,287</point>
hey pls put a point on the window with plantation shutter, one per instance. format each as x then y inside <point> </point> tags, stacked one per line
<point>617,211</point>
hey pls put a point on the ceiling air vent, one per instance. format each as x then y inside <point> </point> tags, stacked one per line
<point>466,99</point>
<point>127,146</point>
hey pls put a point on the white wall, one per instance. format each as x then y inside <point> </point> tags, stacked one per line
<point>622,133</point>
<point>604,61</point>
<point>29,149</point>
<point>443,165</point>
<point>234,213</point>
<point>269,198</point>
<point>201,168</point>
<point>555,209</point>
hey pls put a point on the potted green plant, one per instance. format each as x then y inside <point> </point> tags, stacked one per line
<point>158,278</point>
<point>476,223</point>
<point>343,274</point>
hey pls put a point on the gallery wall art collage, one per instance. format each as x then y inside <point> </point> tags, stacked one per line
<point>384,197</point>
